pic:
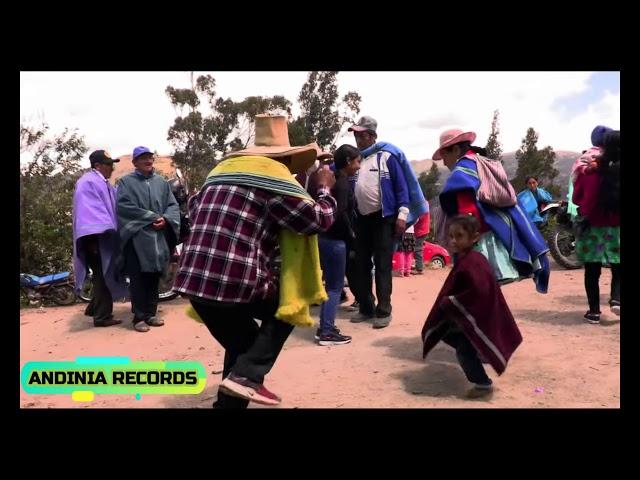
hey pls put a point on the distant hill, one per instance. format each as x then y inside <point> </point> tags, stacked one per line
<point>163,165</point>
<point>564,161</point>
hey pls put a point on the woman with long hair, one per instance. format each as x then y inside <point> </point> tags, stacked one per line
<point>597,195</point>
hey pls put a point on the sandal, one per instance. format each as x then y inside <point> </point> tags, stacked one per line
<point>155,321</point>
<point>141,326</point>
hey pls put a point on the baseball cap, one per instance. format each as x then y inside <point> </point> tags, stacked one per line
<point>597,135</point>
<point>140,151</point>
<point>102,156</point>
<point>365,124</point>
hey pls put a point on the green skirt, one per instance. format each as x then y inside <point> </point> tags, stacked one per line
<point>498,257</point>
<point>599,245</point>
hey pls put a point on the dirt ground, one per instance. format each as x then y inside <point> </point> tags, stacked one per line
<point>562,362</point>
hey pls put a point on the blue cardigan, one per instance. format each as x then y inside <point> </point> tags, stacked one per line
<point>529,202</point>
<point>402,188</point>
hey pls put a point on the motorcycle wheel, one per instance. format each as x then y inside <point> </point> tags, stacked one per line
<point>64,295</point>
<point>165,287</point>
<point>86,292</point>
<point>562,247</point>
<point>25,300</point>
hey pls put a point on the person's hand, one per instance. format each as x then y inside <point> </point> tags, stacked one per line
<point>325,177</point>
<point>589,161</point>
<point>159,224</point>
<point>594,164</point>
<point>401,226</point>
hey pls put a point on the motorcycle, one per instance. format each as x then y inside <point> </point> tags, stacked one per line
<point>57,288</point>
<point>561,236</point>
<point>165,285</point>
<point>180,192</point>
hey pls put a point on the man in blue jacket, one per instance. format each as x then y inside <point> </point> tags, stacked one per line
<point>382,205</point>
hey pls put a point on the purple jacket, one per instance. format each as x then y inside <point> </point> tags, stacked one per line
<point>94,213</point>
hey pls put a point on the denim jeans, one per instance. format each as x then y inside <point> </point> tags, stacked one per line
<point>351,273</point>
<point>333,259</point>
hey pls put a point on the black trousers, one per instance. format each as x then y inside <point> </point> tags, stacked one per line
<point>467,357</point>
<point>250,350</point>
<point>592,284</point>
<point>101,305</point>
<point>375,237</point>
<point>143,287</point>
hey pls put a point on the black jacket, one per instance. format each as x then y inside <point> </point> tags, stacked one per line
<point>343,226</point>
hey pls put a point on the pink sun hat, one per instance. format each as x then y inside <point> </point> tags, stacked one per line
<point>451,137</point>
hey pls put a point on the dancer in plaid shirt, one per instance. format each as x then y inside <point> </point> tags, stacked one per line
<point>229,265</point>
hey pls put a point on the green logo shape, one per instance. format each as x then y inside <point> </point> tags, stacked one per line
<point>113,375</point>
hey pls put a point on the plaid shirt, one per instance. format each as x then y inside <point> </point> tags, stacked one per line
<point>232,250</point>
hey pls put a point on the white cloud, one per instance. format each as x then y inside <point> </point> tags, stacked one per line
<point>578,129</point>
<point>439,122</point>
<point>119,110</point>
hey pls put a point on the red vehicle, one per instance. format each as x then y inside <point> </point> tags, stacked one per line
<point>432,254</point>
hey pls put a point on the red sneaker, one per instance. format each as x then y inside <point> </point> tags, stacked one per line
<point>244,388</point>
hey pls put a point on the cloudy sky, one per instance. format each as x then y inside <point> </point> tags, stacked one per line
<point>120,110</point>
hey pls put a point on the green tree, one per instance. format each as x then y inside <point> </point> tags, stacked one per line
<point>532,161</point>
<point>200,140</point>
<point>494,147</point>
<point>298,134</point>
<point>321,115</point>
<point>250,107</point>
<point>429,182</point>
<point>49,169</point>
<point>193,135</point>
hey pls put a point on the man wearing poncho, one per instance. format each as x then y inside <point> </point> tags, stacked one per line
<point>148,222</point>
<point>95,238</point>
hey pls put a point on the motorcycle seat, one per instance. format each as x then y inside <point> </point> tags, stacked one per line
<point>56,277</point>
